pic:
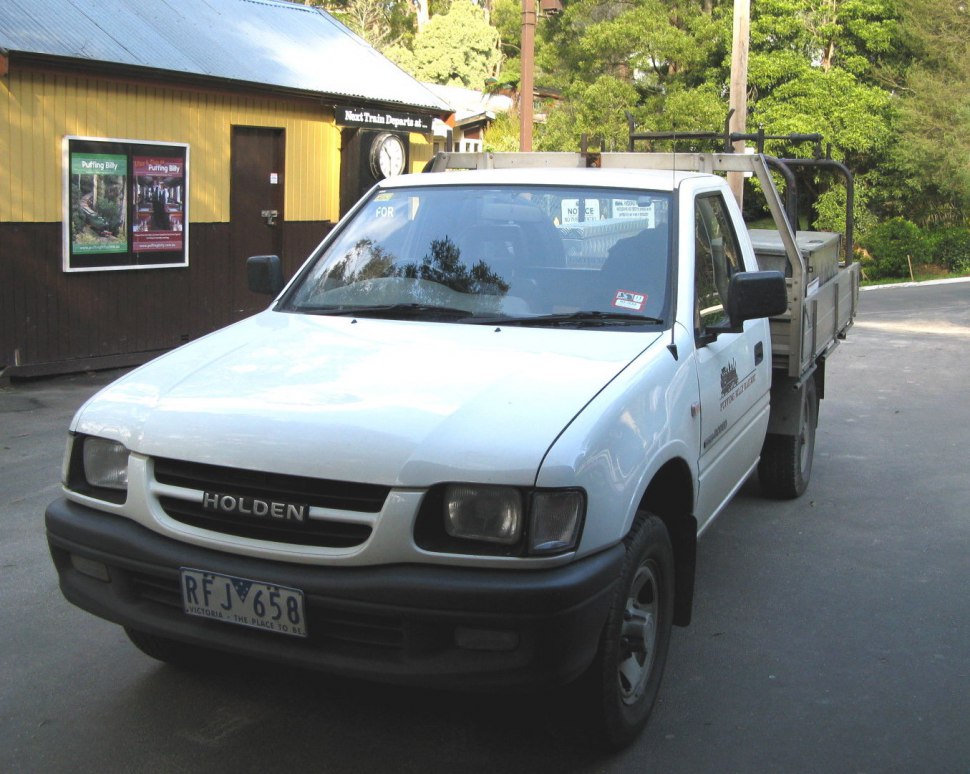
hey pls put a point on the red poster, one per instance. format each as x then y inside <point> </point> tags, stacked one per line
<point>159,196</point>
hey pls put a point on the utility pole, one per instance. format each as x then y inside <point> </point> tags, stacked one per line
<point>527,65</point>
<point>739,86</point>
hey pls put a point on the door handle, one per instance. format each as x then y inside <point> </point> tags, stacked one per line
<point>759,352</point>
<point>270,215</point>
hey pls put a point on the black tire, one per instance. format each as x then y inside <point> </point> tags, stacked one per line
<point>786,460</point>
<point>623,681</point>
<point>170,651</point>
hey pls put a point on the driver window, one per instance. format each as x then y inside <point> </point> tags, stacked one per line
<point>717,257</point>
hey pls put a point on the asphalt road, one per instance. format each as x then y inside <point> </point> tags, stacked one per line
<point>830,634</point>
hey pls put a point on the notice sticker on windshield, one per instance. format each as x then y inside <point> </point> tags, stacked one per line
<point>386,196</point>
<point>626,299</point>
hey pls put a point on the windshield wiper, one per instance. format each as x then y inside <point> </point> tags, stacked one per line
<point>390,311</point>
<point>584,319</point>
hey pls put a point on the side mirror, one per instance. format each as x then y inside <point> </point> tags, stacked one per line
<point>756,294</point>
<point>265,274</point>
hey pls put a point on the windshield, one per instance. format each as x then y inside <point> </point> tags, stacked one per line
<point>522,255</point>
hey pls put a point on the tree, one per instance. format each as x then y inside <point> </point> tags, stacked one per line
<point>596,110</point>
<point>790,36</point>
<point>381,23</point>
<point>886,82</point>
<point>506,17</point>
<point>646,56</point>
<point>458,48</point>
<point>815,66</point>
<point>934,119</point>
<point>820,66</point>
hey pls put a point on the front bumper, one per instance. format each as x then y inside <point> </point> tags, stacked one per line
<point>399,624</point>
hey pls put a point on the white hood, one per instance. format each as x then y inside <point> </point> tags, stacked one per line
<point>405,404</point>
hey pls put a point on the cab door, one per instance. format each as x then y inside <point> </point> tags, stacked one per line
<point>733,369</point>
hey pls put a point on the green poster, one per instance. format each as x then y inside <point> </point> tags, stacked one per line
<point>99,205</point>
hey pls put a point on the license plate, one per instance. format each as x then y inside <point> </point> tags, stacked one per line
<point>244,602</point>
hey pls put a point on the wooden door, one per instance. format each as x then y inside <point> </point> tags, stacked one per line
<point>256,193</point>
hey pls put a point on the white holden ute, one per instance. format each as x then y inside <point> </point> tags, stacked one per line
<point>470,444</point>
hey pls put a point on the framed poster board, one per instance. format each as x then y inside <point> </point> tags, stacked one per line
<point>126,204</point>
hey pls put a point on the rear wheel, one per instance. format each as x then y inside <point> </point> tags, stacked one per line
<point>623,682</point>
<point>786,460</point>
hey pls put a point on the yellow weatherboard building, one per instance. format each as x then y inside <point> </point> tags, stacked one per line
<point>144,158</point>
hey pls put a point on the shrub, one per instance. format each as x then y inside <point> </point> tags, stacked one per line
<point>889,243</point>
<point>950,248</point>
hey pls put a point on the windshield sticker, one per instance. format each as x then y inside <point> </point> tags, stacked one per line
<point>384,197</point>
<point>626,299</point>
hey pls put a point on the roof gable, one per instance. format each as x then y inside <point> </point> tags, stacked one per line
<point>264,42</point>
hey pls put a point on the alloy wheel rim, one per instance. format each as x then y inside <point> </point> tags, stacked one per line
<point>638,635</point>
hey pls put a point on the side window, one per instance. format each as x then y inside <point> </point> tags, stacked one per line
<point>717,256</point>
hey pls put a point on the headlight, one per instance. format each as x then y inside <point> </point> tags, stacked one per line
<point>489,513</point>
<point>487,520</point>
<point>555,522</point>
<point>105,464</point>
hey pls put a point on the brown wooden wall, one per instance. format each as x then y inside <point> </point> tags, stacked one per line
<point>52,322</point>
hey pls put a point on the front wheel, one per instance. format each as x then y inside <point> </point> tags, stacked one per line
<point>623,682</point>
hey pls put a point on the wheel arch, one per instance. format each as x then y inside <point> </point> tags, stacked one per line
<point>670,496</point>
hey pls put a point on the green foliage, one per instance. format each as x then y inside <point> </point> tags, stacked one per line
<point>503,133</point>
<point>459,48</point>
<point>652,44</point>
<point>381,23</point>
<point>815,67</point>
<point>510,73</point>
<point>891,245</point>
<point>950,248</point>
<point>595,110</point>
<point>791,37</point>
<point>830,209</point>
<point>506,17</point>
<point>886,82</point>
<point>662,61</point>
<point>934,121</point>
<point>689,110</point>
<point>853,116</point>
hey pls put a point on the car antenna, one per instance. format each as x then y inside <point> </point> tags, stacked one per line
<point>672,347</point>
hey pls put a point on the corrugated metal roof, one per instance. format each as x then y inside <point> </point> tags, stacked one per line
<point>267,42</point>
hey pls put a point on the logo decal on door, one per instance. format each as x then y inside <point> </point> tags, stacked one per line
<point>739,390</point>
<point>729,377</point>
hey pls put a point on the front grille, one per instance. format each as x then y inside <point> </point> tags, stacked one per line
<point>323,493</point>
<point>341,495</point>
<point>312,532</point>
